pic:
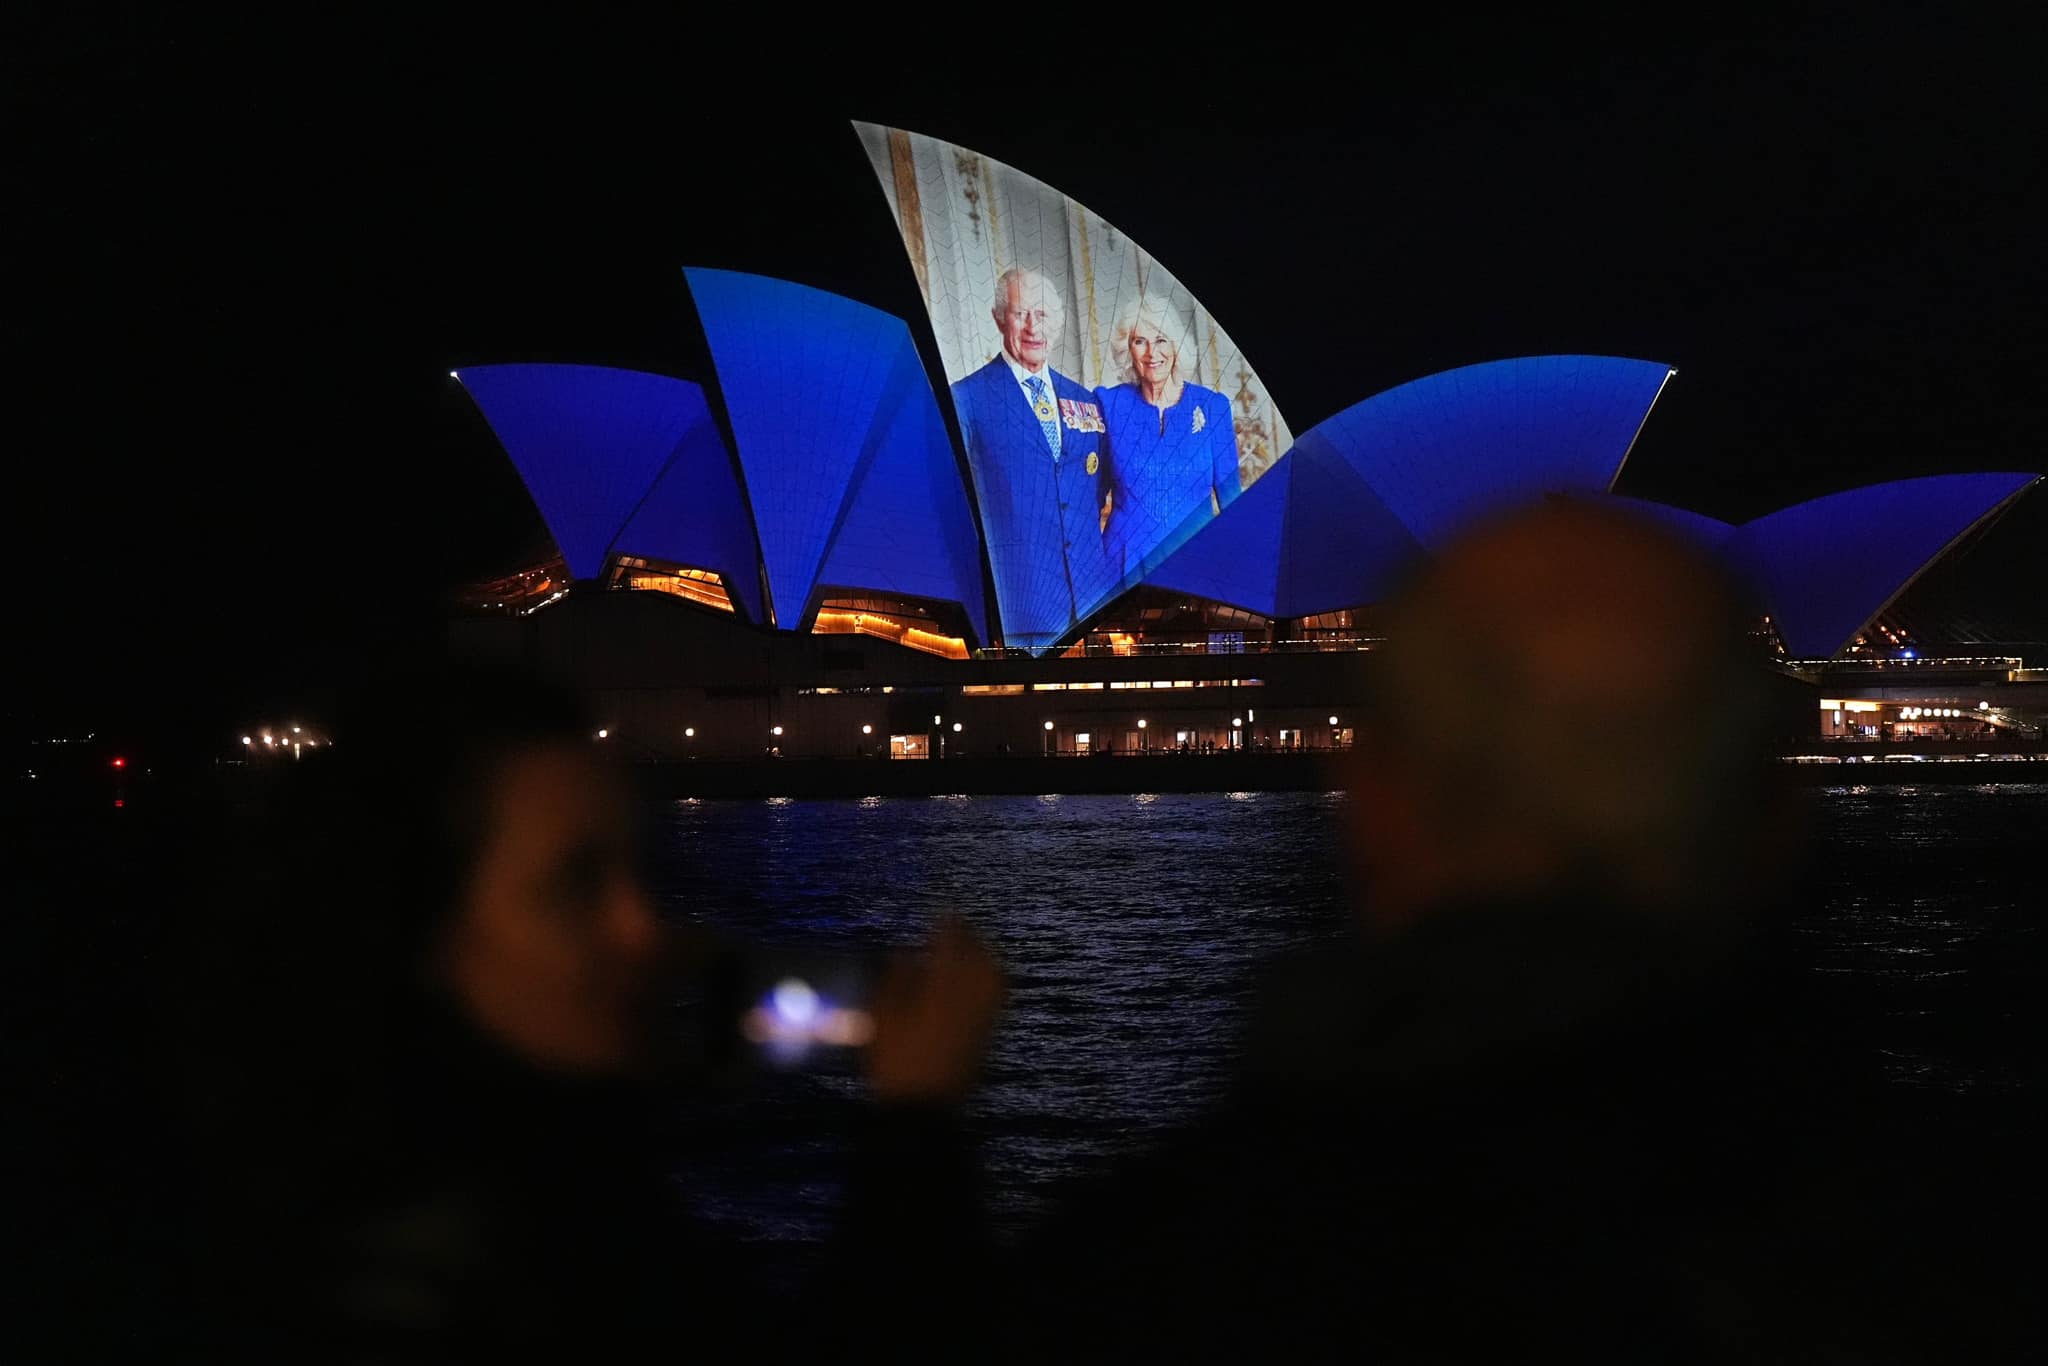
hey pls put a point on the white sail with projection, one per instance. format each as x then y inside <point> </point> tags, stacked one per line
<point>1147,416</point>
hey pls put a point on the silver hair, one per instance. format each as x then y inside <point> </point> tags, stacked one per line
<point>1159,316</point>
<point>1001,302</point>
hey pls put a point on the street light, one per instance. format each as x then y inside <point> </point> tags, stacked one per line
<point>245,739</point>
<point>689,732</point>
<point>603,734</point>
<point>775,730</point>
<point>1047,748</point>
<point>1333,720</point>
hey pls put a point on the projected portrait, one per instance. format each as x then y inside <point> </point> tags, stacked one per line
<point>1106,415</point>
<point>1172,436</point>
<point>1037,450</point>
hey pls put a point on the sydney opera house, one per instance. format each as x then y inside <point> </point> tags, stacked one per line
<point>1094,533</point>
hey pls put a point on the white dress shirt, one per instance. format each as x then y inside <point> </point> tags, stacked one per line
<point>1024,377</point>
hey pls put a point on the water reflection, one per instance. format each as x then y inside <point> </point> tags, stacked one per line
<point>1131,926</point>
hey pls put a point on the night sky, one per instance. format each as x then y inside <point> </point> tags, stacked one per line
<point>252,258</point>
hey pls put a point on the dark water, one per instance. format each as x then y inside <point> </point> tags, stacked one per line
<point>1926,913</point>
<point>1132,925</point>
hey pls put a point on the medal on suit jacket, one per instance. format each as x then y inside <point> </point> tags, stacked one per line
<point>1081,416</point>
<point>1093,463</point>
<point>1043,407</point>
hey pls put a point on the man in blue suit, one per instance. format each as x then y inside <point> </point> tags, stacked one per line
<point>1040,456</point>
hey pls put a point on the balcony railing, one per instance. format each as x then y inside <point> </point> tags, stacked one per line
<point>1918,665</point>
<point>1151,649</point>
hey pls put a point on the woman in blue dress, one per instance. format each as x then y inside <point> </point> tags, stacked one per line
<point>1172,441</point>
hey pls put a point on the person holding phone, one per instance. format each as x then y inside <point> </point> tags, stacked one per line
<point>434,1054</point>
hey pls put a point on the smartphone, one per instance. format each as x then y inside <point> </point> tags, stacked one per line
<point>787,1008</point>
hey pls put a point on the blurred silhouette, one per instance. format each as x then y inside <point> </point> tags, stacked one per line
<point>435,1049</point>
<point>1562,1092</point>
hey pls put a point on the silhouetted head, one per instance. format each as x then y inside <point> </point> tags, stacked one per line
<point>461,838</point>
<point>1565,705</point>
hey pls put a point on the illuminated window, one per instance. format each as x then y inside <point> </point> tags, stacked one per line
<point>894,629</point>
<point>700,586</point>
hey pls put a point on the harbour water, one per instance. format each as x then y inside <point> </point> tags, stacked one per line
<point>1132,927</point>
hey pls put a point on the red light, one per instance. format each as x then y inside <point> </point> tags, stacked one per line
<point>119,802</point>
<point>120,763</point>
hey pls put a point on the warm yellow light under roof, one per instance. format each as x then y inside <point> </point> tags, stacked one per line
<point>882,627</point>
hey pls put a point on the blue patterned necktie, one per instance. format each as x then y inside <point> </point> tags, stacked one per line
<point>1041,403</point>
